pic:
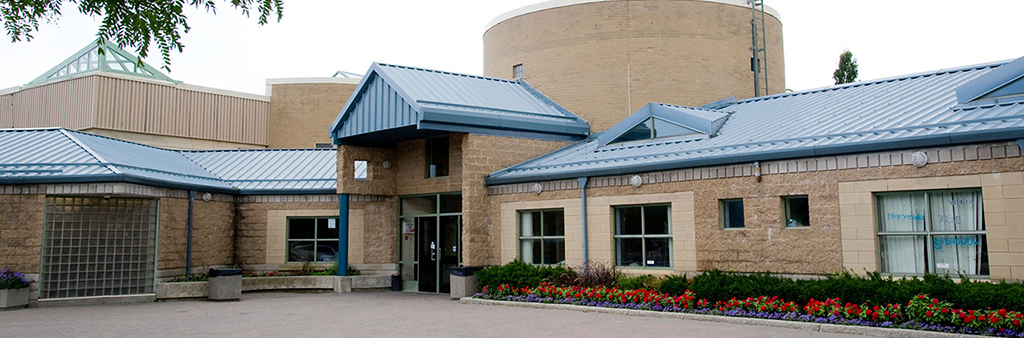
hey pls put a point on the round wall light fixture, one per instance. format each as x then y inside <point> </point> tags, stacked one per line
<point>537,188</point>
<point>386,164</point>
<point>207,196</point>
<point>636,181</point>
<point>919,159</point>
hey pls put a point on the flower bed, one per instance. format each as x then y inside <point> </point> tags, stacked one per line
<point>920,313</point>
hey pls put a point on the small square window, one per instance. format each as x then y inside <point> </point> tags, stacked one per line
<point>732,213</point>
<point>517,71</point>
<point>796,211</point>
<point>360,170</point>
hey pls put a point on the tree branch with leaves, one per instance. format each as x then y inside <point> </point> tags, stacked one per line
<point>135,23</point>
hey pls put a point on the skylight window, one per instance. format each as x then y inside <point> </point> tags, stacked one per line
<point>653,128</point>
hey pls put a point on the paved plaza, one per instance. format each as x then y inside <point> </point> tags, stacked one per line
<point>359,314</point>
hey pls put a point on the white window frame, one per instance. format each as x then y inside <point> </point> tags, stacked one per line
<point>643,235</point>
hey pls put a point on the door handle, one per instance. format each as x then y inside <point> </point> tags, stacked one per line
<point>433,251</point>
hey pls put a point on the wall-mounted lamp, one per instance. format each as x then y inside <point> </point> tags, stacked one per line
<point>918,159</point>
<point>207,197</point>
<point>636,181</point>
<point>537,188</point>
<point>386,164</point>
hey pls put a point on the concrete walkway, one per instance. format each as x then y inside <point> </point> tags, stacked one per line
<point>358,314</point>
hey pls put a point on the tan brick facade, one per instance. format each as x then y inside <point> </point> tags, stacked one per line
<point>839,190</point>
<point>21,231</point>
<point>301,113</point>
<point>604,60</point>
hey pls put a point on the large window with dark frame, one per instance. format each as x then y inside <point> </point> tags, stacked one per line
<point>643,236</point>
<point>312,239</point>
<point>542,236</point>
<point>932,232</point>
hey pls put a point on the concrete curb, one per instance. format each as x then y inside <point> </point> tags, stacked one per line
<point>827,328</point>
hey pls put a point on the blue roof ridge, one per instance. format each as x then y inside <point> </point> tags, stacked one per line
<point>876,81</point>
<point>448,73</point>
<point>76,141</point>
<point>152,147</point>
<point>694,108</point>
<point>536,93</point>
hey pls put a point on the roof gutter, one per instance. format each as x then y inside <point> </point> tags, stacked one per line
<point>824,150</point>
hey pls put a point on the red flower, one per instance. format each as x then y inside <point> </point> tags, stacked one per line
<point>981,317</point>
<point>945,310</point>
<point>920,296</point>
<point>1016,322</point>
<point>994,319</point>
<point>1002,312</point>
<point>935,301</point>
<point>928,314</point>
<point>969,318</point>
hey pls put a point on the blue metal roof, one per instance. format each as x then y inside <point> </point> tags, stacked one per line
<point>706,121</point>
<point>395,103</point>
<point>40,156</point>
<point>911,111</point>
<point>257,171</point>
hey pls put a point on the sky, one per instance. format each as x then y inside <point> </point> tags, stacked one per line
<point>315,38</point>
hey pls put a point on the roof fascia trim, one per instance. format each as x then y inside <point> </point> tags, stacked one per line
<point>471,129</point>
<point>824,150</point>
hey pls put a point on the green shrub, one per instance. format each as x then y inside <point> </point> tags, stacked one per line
<point>872,289</point>
<point>646,282</point>
<point>675,285</point>
<point>518,274</point>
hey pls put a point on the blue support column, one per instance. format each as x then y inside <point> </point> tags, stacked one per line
<point>582,182</point>
<point>342,234</point>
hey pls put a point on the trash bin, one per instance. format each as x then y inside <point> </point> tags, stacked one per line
<point>463,281</point>
<point>396,282</point>
<point>225,284</point>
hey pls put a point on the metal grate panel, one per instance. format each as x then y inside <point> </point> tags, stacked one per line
<point>94,246</point>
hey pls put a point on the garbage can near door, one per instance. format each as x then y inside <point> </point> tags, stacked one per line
<point>463,281</point>
<point>225,284</point>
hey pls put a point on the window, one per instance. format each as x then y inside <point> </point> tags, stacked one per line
<point>312,239</point>
<point>732,213</point>
<point>932,232</point>
<point>517,72</point>
<point>542,236</point>
<point>437,156</point>
<point>796,211</point>
<point>653,128</point>
<point>643,236</point>
<point>360,169</point>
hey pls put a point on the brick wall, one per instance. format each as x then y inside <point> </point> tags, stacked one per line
<point>839,189</point>
<point>21,231</point>
<point>604,60</point>
<point>483,155</point>
<point>212,233</point>
<point>301,113</point>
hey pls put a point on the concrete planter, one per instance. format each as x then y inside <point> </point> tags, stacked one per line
<point>11,299</point>
<point>166,291</point>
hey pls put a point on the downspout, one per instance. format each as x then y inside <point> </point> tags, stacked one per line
<point>582,182</point>
<point>188,241</point>
<point>342,234</point>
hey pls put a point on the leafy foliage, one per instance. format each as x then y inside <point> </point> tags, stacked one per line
<point>13,279</point>
<point>136,23</point>
<point>646,282</point>
<point>519,274</point>
<point>847,71</point>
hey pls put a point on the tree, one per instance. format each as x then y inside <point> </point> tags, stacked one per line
<point>847,71</point>
<point>135,23</point>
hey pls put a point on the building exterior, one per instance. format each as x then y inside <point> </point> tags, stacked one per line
<point>605,59</point>
<point>116,96</point>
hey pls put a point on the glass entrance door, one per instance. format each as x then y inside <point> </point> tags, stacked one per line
<point>430,236</point>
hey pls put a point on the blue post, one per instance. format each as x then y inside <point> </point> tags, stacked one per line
<point>188,240</point>
<point>342,234</point>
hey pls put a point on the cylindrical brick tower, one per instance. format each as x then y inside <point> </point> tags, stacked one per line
<point>604,59</point>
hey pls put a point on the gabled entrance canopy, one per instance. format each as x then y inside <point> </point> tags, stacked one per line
<point>397,103</point>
